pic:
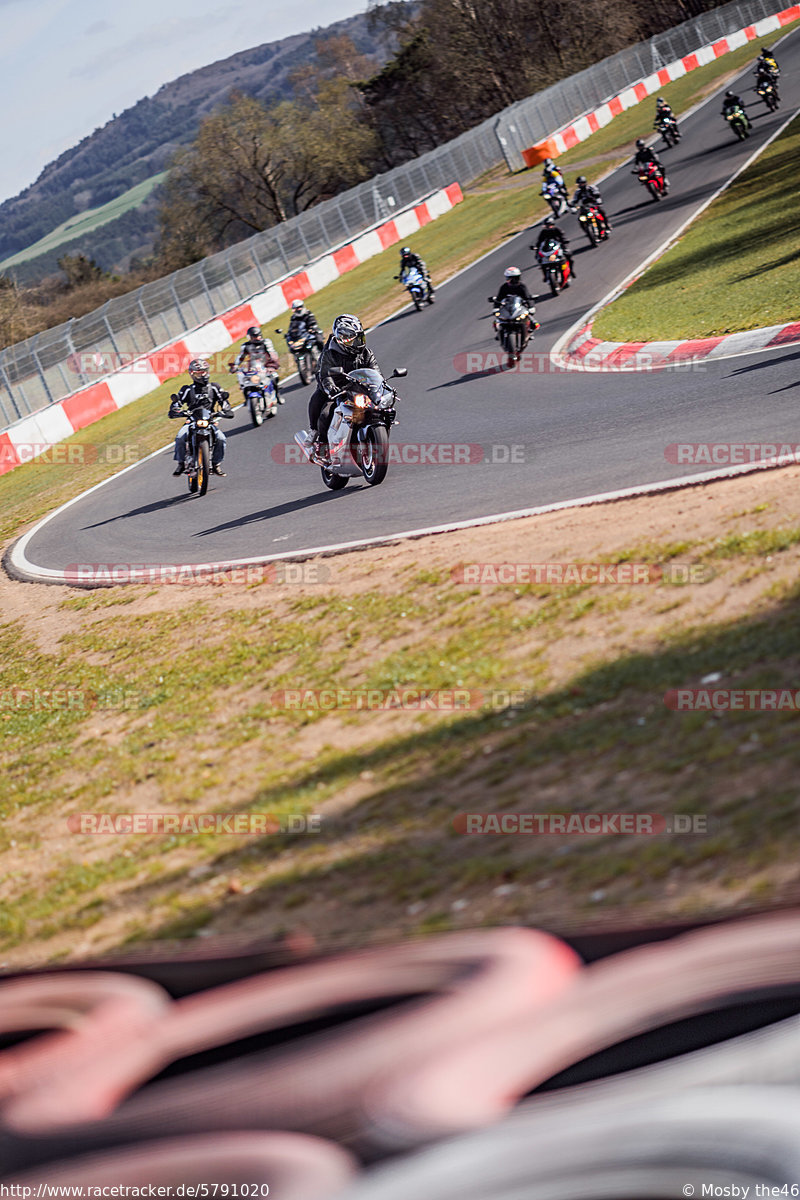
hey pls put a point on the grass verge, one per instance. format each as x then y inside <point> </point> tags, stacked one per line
<point>573,719</point>
<point>737,267</point>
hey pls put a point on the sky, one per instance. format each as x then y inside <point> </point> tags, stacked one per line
<point>66,66</point>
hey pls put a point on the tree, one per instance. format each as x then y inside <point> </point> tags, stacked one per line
<point>79,270</point>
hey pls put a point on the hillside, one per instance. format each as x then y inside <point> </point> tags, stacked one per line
<point>138,143</point>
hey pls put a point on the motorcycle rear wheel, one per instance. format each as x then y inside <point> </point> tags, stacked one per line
<point>331,480</point>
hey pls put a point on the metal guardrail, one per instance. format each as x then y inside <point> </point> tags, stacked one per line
<point>44,369</point>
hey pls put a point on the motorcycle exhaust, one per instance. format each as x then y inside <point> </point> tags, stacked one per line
<point>305,441</point>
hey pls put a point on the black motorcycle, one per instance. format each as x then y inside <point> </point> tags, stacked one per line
<point>200,443</point>
<point>358,434</point>
<point>668,128</point>
<point>514,325</point>
<point>305,350</point>
<point>768,92</point>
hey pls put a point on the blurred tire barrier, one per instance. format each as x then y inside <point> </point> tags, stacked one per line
<point>534,1075</point>
<point>435,994</point>
<point>715,1137</point>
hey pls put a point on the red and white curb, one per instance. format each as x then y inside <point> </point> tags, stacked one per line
<point>578,131</point>
<point>587,353</point>
<point>33,436</point>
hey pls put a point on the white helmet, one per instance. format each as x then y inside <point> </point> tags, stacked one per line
<point>298,307</point>
<point>513,273</point>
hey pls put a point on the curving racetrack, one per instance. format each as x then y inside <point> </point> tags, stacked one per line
<point>575,435</point>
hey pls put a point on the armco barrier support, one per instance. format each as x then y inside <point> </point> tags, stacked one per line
<point>33,435</point>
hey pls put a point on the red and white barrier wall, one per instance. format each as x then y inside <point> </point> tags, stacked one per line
<point>585,126</point>
<point>33,435</point>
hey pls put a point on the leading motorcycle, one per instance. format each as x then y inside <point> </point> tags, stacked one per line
<point>358,434</point>
<point>514,324</point>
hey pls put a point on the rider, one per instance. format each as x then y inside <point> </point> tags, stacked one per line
<point>767,63</point>
<point>303,321</point>
<point>258,350</point>
<point>346,350</point>
<point>200,393</point>
<point>409,259</point>
<point>644,156</point>
<point>663,113</point>
<point>550,231</point>
<point>586,194</point>
<point>732,101</point>
<point>552,175</point>
<point>515,286</point>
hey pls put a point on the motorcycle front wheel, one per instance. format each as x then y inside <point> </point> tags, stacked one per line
<point>303,369</point>
<point>202,468</point>
<point>551,279</point>
<point>591,232</point>
<point>374,460</point>
<point>256,410</point>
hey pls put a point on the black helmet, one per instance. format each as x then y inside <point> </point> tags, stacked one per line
<point>640,143</point>
<point>348,332</point>
<point>729,95</point>
<point>405,251</point>
<point>549,220</point>
<point>581,180</point>
<point>254,333</point>
<point>198,369</point>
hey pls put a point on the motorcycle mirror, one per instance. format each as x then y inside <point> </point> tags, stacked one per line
<point>279,331</point>
<point>399,372</point>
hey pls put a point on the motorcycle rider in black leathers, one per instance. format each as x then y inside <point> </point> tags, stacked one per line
<point>258,349</point>
<point>200,393</point>
<point>551,230</point>
<point>409,259</point>
<point>346,350</point>
<point>303,321</point>
<point>731,101</point>
<point>644,156</point>
<point>586,193</point>
<point>514,286</point>
<point>664,113</point>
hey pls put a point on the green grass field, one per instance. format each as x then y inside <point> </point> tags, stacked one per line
<point>737,267</point>
<point>86,221</point>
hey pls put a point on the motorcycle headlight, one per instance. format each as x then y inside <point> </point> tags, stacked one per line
<point>360,400</point>
<point>202,424</point>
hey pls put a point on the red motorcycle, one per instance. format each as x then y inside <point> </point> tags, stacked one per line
<point>652,176</point>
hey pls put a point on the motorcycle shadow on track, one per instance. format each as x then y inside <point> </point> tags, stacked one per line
<point>283,510</point>
<point>144,510</point>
